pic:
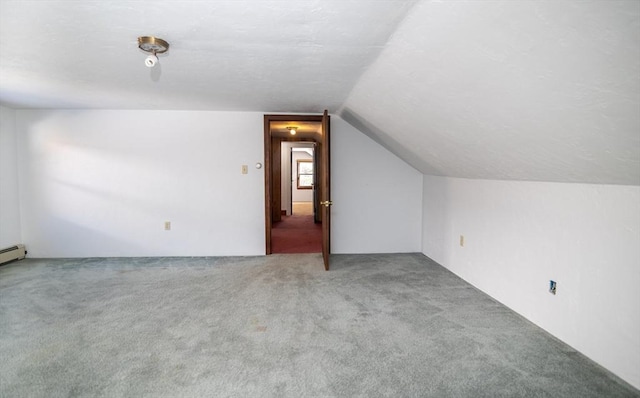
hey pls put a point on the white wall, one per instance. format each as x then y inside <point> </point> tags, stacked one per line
<point>103,182</point>
<point>377,198</point>
<point>285,177</point>
<point>10,232</point>
<point>519,235</point>
<point>299,195</point>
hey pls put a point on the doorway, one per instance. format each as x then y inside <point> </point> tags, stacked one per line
<point>297,230</point>
<point>307,130</point>
<point>298,172</point>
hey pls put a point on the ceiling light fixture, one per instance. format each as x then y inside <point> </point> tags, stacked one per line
<point>154,46</point>
<point>292,130</point>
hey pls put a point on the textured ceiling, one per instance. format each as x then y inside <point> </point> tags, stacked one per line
<point>516,90</point>
<point>260,55</point>
<point>519,90</point>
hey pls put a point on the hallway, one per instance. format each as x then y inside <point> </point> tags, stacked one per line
<point>297,233</point>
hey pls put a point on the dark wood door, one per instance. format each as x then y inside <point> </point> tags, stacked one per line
<point>276,171</point>
<point>271,156</point>
<point>317,197</point>
<point>325,184</point>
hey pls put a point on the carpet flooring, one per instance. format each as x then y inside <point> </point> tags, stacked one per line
<point>273,326</point>
<point>296,234</point>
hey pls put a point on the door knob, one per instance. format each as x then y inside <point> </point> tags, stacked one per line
<point>326,203</point>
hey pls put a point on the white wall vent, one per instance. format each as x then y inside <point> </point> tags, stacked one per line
<point>16,252</point>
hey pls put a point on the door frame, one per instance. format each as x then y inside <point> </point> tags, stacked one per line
<point>268,164</point>
<point>325,184</point>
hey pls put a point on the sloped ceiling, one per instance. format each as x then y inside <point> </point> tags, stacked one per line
<point>516,90</point>
<point>521,90</point>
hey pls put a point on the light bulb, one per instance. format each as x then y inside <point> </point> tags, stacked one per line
<point>292,131</point>
<point>151,61</point>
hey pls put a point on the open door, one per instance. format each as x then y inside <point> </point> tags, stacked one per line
<point>325,185</point>
<point>317,197</point>
<point>275,131</point>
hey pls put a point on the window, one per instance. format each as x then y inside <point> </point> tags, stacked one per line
<point>305,174</point>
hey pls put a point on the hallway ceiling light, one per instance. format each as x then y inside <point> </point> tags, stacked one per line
<point>154,46</point>
<point>292,130</point>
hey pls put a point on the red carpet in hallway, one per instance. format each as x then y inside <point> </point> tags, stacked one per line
<point>296,234</point>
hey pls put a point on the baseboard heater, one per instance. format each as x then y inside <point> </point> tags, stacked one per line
<point>16,252</point>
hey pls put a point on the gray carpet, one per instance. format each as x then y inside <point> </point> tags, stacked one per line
<point>273,326</point>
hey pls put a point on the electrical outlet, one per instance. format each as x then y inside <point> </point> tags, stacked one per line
<point>167,225</point>
<point>462,240</point>
<point>245,169</point>
<point>552,287</point>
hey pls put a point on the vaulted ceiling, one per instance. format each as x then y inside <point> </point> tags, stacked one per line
<point>518,90</point>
